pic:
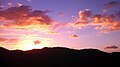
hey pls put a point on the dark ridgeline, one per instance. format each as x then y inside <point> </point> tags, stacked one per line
<point>58,57</point>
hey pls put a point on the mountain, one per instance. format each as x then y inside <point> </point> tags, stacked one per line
<point>58,57</point>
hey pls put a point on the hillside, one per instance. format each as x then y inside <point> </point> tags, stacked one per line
<point>58,57</point>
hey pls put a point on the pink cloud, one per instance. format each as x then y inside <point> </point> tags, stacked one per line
<point>82,20</point>
<point>24,17</point>
<point>105,23</point>
<point>22,14</point>
<point>9,4</point>
<point>19,4</point>
<point>9,40</point>
<point>2,39</point>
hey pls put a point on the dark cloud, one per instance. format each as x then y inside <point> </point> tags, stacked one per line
<point>111,47</point>
<point>112,4</point>
<point>73,36</point>
<point>15,13</point>
<point>42,14</point>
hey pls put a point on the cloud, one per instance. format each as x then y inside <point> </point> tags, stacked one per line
<point>37,42</point>
<point>112,4</point>
<point>19,4</point>
<point>82,20</point>
<point>9,4</point>
<point>78,25</point>
<point>111,47</point>
<point>1,7</point>
<point>104,22</point>
<point>84,14</point>
<point>14,13</point>
<point>57,25</point>
<point>24,17</point>
<point>73,36</point>
<point>2,39</point>
<point>52,33</point>
<point>8,40</point>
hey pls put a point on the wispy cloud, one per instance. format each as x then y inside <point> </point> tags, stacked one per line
<point>111,47</point>
<point>2,39</point>
<point>8,40</point>
<point>52,32</point>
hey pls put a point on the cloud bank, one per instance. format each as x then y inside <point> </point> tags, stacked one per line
<point>24,17</point>
<point>103,22</point>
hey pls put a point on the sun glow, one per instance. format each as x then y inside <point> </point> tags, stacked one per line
<point>28,45</point>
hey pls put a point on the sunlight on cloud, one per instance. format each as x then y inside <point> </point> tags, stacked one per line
<point>105,23</point>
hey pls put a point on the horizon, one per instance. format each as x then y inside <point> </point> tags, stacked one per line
<point>74,24</point>
<point>57,48</point>
<point>54,48</point>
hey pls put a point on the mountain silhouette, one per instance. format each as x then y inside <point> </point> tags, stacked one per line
<point>58,57</point>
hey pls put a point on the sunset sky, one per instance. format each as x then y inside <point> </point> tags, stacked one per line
<point>77,24</point>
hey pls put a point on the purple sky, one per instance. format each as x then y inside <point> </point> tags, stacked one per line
<point>74,24</point>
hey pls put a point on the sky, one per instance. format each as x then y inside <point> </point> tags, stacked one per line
<point>76,24</point>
